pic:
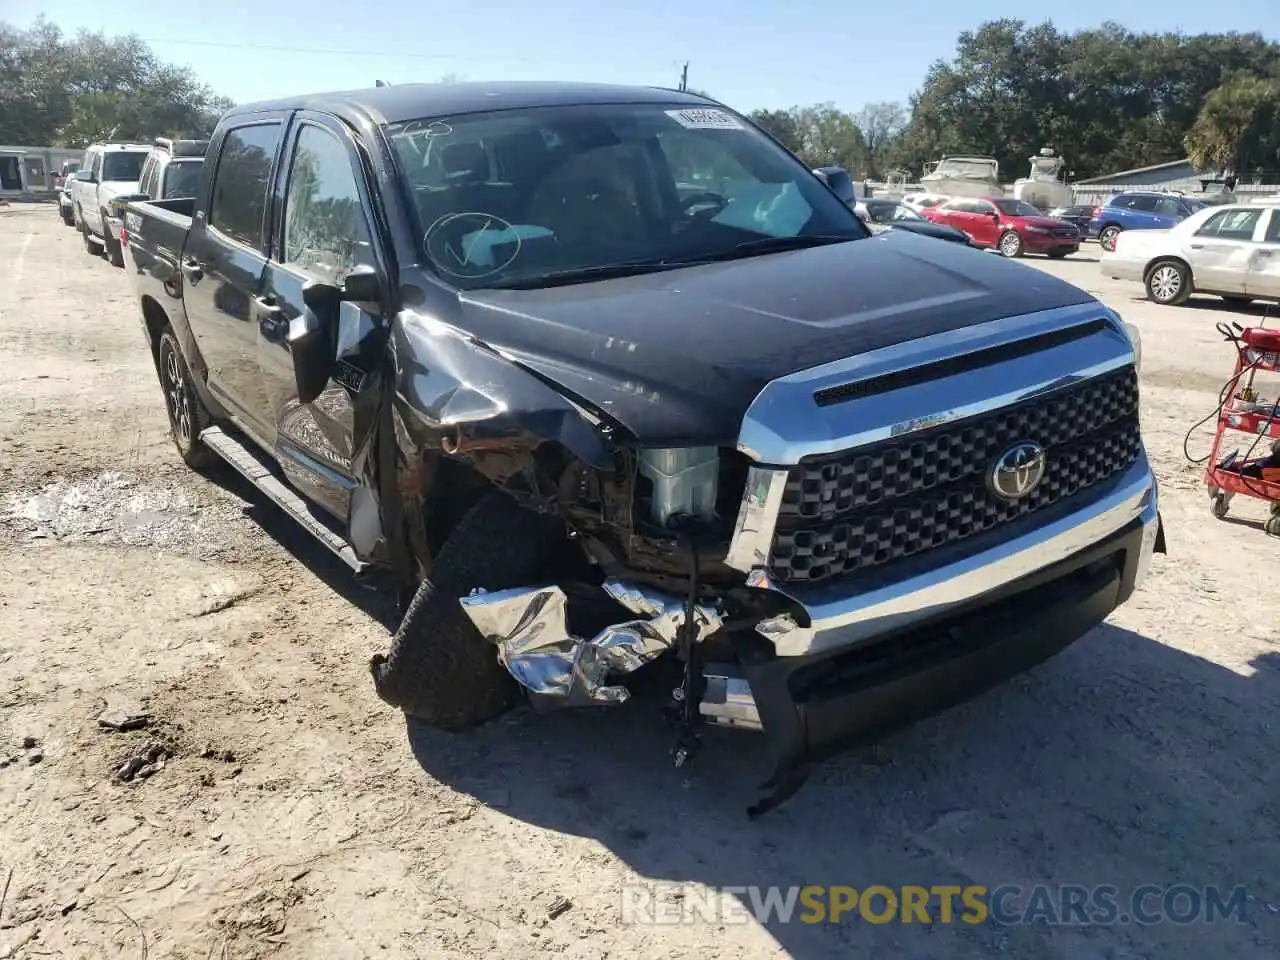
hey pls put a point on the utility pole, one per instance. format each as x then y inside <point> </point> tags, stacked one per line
<point>684,77</point>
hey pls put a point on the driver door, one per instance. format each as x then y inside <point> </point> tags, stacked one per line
<point>322,231</point>
<point>984,223</point>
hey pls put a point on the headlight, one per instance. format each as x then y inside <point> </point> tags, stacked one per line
<point>1135,337</point>
<point>685,481</point>
<point>1031,229</point>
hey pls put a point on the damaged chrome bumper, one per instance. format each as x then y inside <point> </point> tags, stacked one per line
<point>529,625</point>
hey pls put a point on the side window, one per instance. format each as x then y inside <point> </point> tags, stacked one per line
<point>241,182</point>
<point>1230,225</point>
<point>95,165</point>
<point>1145,204</point>
<point>1273,228</point>
<point>984,208</point>
<point>325,230</point>
<point>1169,207</point>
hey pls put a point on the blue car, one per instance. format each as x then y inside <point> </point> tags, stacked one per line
<point>1137,210</point>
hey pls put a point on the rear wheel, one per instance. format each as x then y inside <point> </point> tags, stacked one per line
<point>1168,283</point>
<point>187,414</point>
<point>439,668</point>
<point>1107,238</point>
<point>68,217</point>
<point>1010,244</point>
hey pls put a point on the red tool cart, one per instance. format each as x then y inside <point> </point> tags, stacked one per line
<point>1254,473</point>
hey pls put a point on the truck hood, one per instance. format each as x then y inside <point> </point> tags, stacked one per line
<point>680,355</point>
<point>116,188</point>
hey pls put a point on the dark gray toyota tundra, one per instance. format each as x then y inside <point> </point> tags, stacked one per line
<point>603,374</point>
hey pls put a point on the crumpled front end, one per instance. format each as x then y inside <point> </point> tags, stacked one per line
<point>986,501</point>
<point>529,625</point>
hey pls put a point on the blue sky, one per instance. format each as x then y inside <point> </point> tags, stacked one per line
<point>748,53</point>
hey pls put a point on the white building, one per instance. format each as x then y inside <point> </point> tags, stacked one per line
<point>29,171</point>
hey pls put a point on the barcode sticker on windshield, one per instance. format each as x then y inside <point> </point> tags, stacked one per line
<point>701,118</point>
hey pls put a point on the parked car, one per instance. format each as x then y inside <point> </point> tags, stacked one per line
<point>64,173</point>
<point>885,214</point>
<point>171,170</point>
<point>586,423</point>
<point>1078,215</point>
<point>1136,211</point>
<point>107,170</point>
<point>1231,251</point>
<point>1011,226</point>
<point>62,191</point>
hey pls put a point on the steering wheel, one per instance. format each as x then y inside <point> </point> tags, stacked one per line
<point>713,201</point>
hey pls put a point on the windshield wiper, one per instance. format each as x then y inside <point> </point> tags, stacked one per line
<point>760,245</point>
<point>605,271</point>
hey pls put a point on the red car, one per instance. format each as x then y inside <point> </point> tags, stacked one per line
<point>1012,226</point>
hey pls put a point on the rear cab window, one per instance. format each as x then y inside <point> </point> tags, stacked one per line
<point>238,206</point>
<point>123,165</point>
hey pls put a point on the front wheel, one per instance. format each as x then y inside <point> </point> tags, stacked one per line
<point>115,254</point>
<point>87,239</point>
<point>1011,245</point>
<point>1168,283</point>
<point>187,414</point>
<point>439,668</point>
<point>1107,238</point>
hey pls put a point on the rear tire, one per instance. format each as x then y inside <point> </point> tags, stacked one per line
<point>439,668</point>
<point>68,217</point>
<point>187,413</point>
<point>1107,238</point>
<point>1168,283</point>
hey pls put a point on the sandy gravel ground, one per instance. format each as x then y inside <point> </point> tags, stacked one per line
<point>283,811</point>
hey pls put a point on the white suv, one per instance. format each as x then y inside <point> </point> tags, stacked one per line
<point>108,170</point>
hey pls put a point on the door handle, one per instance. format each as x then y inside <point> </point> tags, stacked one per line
<point>1197,246</point>
<point>272,322</point>
<point>192,270</point>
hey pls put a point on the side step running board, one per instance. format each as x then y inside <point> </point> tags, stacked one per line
<point>254,467</point>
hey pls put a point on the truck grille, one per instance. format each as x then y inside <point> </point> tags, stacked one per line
<point>862,509</point>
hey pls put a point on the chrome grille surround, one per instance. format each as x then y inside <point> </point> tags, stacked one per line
<point>785,425</point>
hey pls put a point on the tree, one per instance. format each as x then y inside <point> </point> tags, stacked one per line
<point>1107,98</point>
<point>881,125</point>
<point>61,91</point>
<point>782,125</point>
<point>1237,125</point>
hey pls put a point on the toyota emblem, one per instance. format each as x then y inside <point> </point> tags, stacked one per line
<point>1017,471</point>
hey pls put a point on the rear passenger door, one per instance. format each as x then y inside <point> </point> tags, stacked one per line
<point>324,229</point>
<point>1221,250</point>
<point>223,264</point>
<point>1264,269</point>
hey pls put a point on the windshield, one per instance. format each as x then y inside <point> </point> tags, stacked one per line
<point>122,164</point>
<point>970,168</point>
<point>882,212</point>
<point>1017,208</point>
<point>181,178</point>
<point>510,197</point>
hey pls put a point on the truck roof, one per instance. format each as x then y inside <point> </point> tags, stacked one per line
<point>412,101</point>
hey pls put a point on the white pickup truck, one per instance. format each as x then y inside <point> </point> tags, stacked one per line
<point>108,170</point>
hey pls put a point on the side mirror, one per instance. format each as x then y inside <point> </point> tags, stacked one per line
<point>361,285</point>
<point>995,217</point>
<point>85,176</point>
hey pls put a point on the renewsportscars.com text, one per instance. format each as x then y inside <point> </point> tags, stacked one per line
<point>1007,905</point>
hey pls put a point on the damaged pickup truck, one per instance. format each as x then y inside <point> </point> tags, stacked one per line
<point>603,375</point>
